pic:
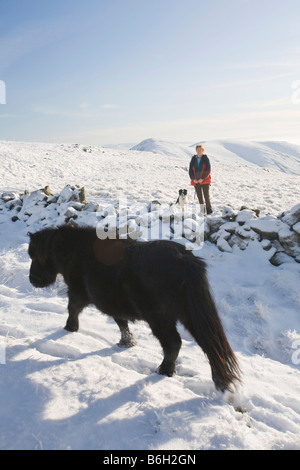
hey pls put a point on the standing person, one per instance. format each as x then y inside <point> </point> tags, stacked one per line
<point>200,176</point>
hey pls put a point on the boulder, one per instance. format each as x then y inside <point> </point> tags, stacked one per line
<point>7,196</point>
<point>230,227</point>
<point>223,245</point>
<point>72,193</point>
<point>92,207</point>
<point>229,214</point>
<point>30,201</point>
<point>71,213</point>
<point>296,227</point>
<point>223,234</point>
<point>279,258</point>
<point>292,216</point>
<point>214,223</point>
<point>267,227</point>
<point>244,216</point>
<point>238,241</point>
<point>245,232</point>
<point>256,211</point>
<point>290,241</point>
<point>266,244</point>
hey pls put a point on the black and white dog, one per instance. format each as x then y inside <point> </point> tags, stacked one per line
<point>182,198</point>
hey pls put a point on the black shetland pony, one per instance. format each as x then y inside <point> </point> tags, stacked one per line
<point>159,282</point>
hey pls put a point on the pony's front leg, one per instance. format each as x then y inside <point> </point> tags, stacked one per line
<point>77,302</point>
<point>127,339</point>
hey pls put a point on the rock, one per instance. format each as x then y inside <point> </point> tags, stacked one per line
<point>245,232</point>
<point>71,213</point>
<point>154,206</point>
<point>66,194</point>
<point>71,193</point>
<point>190,224</point>
<point>256,211</point>
<point>81,194</point>
<point>13,203</point>
<point>223,245</point>
<point>296,227</point>
<point>92,207</point>
<point>267,227</point>
<point>214,237</point>
<point>279,258</point>
<point>46,190</point>
<point>33,199</point>
<point>7,196</point>
<point>277,246</point>
<point>52,199</point>
<point>229,214</point>
<point>290,241</point>
<point>214,223</point>
<point>244,216</point>
<point>293,216</point>
<point>230,227</point>
<point>236,240</point>
<point>266,244</point>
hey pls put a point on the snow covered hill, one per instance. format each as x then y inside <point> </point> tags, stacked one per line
<point>281,156</point>
<point>163,147</point>
<point>270,155</point>
<point>62,390</point>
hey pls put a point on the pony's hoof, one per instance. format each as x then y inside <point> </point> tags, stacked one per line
<point>164,370</point>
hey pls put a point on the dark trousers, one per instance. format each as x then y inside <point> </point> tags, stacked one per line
<point>203,190</point>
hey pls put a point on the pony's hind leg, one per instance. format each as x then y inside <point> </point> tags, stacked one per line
<point>170,341</point>
<point>127,339</point>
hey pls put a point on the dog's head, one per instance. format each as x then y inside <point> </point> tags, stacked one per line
<point>42,270</point>
<point>182,192</point>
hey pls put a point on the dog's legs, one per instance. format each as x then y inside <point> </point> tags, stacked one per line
<point>127,339</point>
<point>77,302</point>
<point>170,341</point>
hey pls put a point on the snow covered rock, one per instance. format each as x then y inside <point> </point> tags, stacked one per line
<point>292,216</point>
<point>72,193</point>
<point>228,213</point>
<point>244,216</point>
<point>235,240</point>
<point>7,196</point>
<point>296,227</point>
<point>280,258</point>
<point>223,245</point>
<point>31,201</point>
<point>246,233</point>
<point>290,240</point>
<point>214,223</point>
<point>267,227</point>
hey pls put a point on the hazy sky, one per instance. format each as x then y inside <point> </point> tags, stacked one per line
<point>110,71</point>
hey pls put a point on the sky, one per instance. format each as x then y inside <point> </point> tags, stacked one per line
<point>103,72</point>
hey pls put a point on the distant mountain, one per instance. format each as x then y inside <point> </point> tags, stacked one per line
<point>282,156</point>
<point>164,148</point>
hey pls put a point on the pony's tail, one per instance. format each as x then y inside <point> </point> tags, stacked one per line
<point>203,322</point>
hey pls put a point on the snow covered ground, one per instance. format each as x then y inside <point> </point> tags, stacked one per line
<point>64,390</point>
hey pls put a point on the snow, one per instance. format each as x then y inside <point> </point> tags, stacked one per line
<point>63,390</point>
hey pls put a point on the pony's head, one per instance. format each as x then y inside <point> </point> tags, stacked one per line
<point>42,270</point>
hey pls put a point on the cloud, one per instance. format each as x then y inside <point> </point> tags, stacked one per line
<point>109,106</point>
<point>64,112</point>
<point>83,111</point>
<point>246,82</point>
